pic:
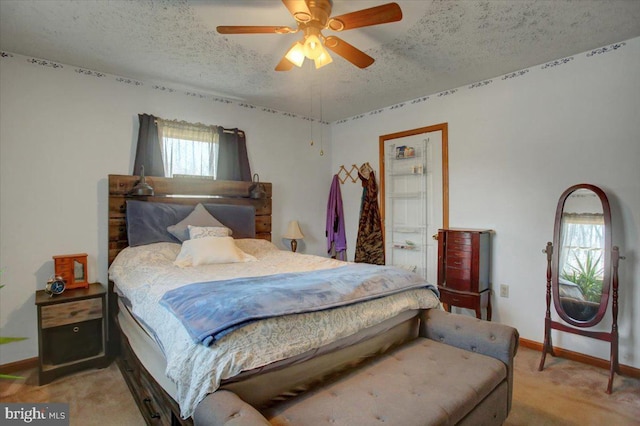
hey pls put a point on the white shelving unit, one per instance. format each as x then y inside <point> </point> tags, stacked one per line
<point>406,206</point>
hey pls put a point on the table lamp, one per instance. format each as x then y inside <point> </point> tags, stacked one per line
<point>293,233</point>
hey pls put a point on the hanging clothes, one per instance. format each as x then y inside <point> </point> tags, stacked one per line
<point>369,245</point>
<point>336,236</point>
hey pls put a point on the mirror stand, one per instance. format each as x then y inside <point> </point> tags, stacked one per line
<point>582,270</point>
<point>611,337</point>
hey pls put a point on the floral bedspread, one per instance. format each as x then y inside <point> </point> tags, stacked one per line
<point>144,274</point>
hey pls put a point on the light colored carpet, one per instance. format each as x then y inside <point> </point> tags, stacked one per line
<point>95,397</point>
<point>564,393</point>
<point>570,393</point>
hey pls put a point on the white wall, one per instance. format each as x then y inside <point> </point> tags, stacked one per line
<point>63,131</point>
<point>515,144</point>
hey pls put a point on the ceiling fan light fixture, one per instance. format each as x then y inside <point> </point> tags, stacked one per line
<point>313,16</point>
<point>313,47</point>
<point>323,60</point>
<point>295,55</point>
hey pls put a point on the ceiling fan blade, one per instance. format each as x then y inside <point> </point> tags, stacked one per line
<point>252,29</point>
<point>389,12</point>
<point>352,54</point>
<point>299,9</point>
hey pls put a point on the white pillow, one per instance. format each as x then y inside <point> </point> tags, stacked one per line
<point>210,250</point>
<point>208,231</point>
<point>199,216</point>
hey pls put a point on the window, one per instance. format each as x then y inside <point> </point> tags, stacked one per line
<point>170,147</point>
<point>582,249</point>
<point>188,149</point>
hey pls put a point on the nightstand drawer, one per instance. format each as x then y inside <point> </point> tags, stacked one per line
<point>72,342</point>
<point>71,312</point>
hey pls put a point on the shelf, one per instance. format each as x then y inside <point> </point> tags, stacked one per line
<point>410,268</point>
<point>404,158</point>
<point>408,230</point>
<point>413,157</point>
<point>406,195</point>
<point>407,178</point>
<point>407,174</point>
<point>415,248</point>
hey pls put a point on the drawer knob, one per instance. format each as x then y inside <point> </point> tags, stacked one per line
<point>76,329</point>
<point>152,413</point>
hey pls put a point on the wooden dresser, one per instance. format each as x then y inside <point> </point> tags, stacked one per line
<point>463,269</point>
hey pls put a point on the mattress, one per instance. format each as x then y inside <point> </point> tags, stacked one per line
<point>256,386</point>
<point>143,274</point>
<point>145,348</point>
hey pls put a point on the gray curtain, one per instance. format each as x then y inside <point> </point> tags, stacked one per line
<point>233,161</point>
<point>148,151</point>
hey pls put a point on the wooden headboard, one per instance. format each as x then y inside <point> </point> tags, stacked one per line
<point>189,191</point>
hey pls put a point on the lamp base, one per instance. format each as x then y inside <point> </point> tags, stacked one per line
<point>294,245</point>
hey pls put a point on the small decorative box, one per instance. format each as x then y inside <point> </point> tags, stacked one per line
<point>73,269</point>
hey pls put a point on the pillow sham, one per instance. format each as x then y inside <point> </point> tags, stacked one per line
<point>210,250</point>
<point>200,216</point>
<point>208,231</point>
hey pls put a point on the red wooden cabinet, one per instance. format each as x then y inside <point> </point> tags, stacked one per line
<point>463,269</point>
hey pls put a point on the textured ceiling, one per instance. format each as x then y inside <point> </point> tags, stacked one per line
<point>438,45</point>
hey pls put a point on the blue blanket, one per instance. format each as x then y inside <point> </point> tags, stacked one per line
<point>212,309</point>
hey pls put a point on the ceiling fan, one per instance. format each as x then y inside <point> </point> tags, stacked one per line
<point>313,16</point>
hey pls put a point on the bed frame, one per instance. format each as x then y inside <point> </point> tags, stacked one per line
<point>156,406</point>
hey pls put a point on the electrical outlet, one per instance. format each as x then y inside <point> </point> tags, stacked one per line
<point>504,290</point>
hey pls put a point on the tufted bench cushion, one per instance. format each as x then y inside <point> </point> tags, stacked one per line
<point>458,371</point>
<point>422,382</point>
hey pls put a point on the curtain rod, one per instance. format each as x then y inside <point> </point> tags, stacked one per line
<point>182,122</point>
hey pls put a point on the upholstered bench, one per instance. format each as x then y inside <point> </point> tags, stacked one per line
<point>458,371</point>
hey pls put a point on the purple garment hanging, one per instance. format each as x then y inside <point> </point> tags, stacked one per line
<point>336,237</point>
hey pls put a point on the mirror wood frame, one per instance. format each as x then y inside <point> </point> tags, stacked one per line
<point>610,284</point>
<point>442,127</point>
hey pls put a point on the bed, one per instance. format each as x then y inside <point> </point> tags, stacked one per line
<point>171,365</point>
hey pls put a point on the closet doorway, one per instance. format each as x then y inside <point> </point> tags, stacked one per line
<point>414,196</point>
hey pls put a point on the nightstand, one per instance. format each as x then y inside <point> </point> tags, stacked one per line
<point>71,331</point>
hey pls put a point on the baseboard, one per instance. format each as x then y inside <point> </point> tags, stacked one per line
<point>625,370</point>
<point>24,364</point>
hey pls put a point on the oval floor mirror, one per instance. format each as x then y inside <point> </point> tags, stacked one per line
<point>582,270</point>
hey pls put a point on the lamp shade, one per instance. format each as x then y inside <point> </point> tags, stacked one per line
<point>293,231</point>
<point>257,190</point>
<point>295,55</point>
<point>141,188</point>
<point>323,59</point>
